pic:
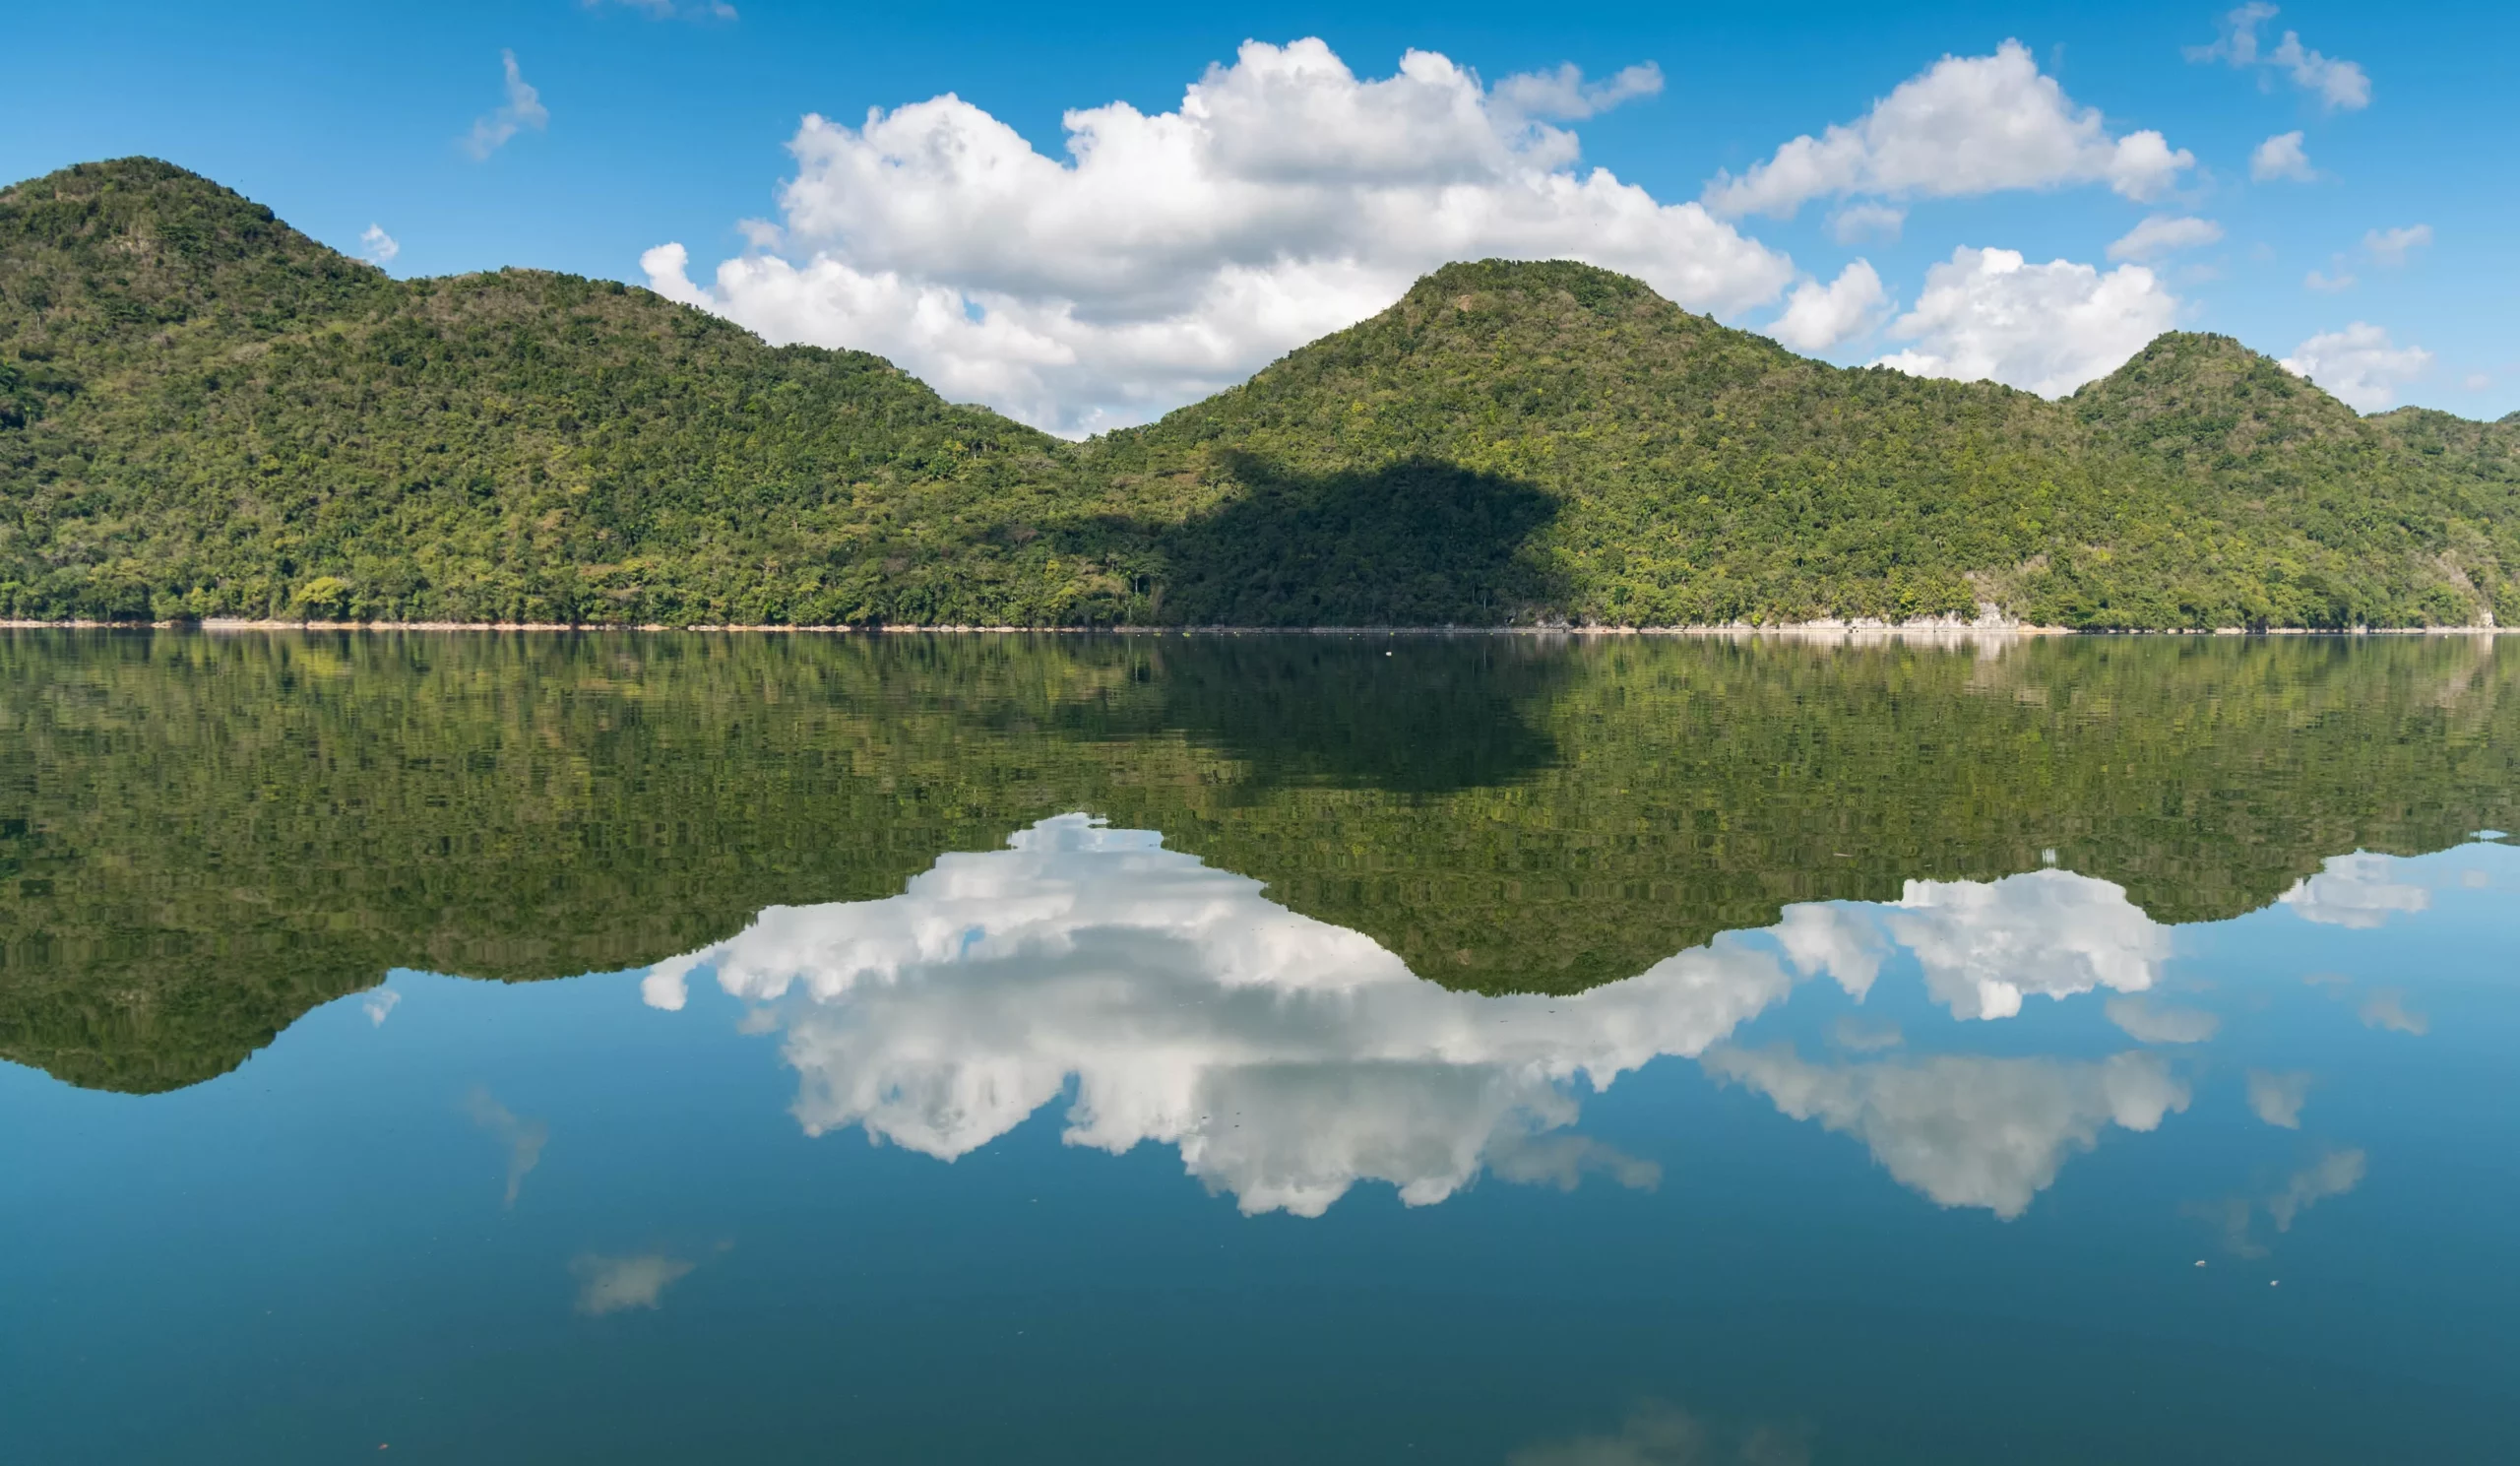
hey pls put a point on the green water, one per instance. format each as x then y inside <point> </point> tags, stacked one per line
<point>1278,1048</point>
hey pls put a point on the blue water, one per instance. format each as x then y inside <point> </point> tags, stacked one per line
<point>1161,1171</point>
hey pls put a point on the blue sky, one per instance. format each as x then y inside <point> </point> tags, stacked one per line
<point>654,123</point>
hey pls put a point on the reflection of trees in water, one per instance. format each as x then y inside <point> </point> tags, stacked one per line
<point>1405,715</point>
<point>201,836</point>
<point>1695,786</point>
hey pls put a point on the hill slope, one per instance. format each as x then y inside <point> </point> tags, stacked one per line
<point>1671,471</point>
<point>203,412</point>
<point>222,417</point>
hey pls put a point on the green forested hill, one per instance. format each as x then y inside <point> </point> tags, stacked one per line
<point>1634,464</point>
<point>222,417</point>
<point>205,414</point>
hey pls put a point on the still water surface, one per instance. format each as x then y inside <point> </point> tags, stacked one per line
<point>622,1049</point>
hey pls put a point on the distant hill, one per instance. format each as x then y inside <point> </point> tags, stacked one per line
<point>205,414</point>
<point>218,416</point>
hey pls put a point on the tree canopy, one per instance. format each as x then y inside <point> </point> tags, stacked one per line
<point>205,414</point>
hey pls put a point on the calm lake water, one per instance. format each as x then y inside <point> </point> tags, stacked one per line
<point>687,1048</point>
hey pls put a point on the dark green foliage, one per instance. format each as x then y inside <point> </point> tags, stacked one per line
<point>266,429</point>
<point>204,414</point>
<point>2300,512</point>
<point>1700,475</point>
<point>1414,543</point>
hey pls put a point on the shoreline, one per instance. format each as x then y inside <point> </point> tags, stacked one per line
<point>1832,629</point>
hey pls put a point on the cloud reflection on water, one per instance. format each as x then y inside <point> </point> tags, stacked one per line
<point>610,1284</point>
<point>2146,1024</point>
<point>1985,945</point>
<point>523,1139</point>
<point>1287,1059</point>
<point>2334,1173</point>
<point>2277,1099</point>
<point>1966,1130</point>
<point>2386,1008</point>
<point>2358,891</point>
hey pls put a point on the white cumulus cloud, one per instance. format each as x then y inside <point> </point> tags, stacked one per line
<point>1817,316</point>
<point>522,109</point>
<point>2360,365</point>
<point>378,245</point>
<point>1966,125</point>
<point>1988,313</point>
<point>2339,85</point>
<point>2162,235</point>
<point>2281,157</point>
<point>1169,255</point>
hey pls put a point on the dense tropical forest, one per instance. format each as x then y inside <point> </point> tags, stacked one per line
<point>204,414</point>
<point>204,835</point>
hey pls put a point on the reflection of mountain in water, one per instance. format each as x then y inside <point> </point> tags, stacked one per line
<point>1454,713</point>
<point>1287,1059</point>
<point>202,837</point>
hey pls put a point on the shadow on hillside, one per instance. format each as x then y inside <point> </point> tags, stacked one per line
<point>1418,542</point>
